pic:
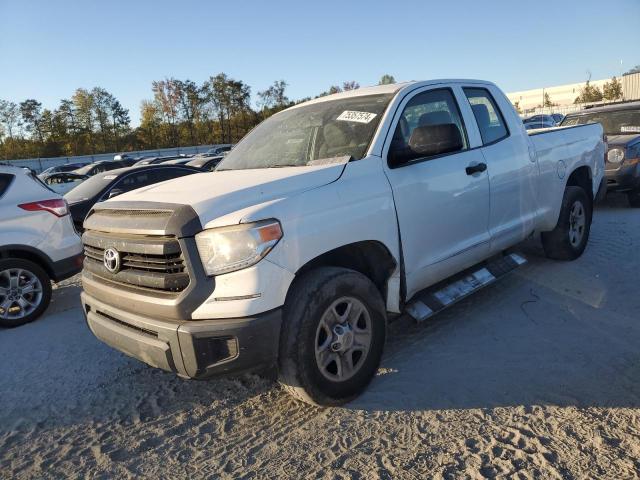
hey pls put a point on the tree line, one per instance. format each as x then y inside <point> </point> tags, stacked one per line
<point>179,113</point>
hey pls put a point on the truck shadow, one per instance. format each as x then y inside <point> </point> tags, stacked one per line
<point>552,333</point>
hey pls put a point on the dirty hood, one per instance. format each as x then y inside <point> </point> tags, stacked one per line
<point>218,193</point>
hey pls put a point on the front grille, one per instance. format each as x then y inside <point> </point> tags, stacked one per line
<point>146,261</point>
<point>134,213</point>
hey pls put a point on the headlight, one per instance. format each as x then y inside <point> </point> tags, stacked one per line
<point>227,249</point>
<point>615,155</point>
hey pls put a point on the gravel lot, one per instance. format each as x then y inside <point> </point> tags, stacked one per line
<point>537,376</point>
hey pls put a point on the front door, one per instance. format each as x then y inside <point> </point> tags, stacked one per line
<point>440,188</point>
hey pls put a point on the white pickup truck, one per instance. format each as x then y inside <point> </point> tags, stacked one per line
<point>325,221</point>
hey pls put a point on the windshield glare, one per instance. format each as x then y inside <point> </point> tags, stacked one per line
<point>303,135</point>
<point>613,123</point>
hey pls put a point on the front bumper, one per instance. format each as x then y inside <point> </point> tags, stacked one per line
<point>195,349</point>
<point>625,178</point>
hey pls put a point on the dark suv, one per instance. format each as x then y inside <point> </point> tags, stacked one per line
<point>621,124</point>
<point>106,185</point>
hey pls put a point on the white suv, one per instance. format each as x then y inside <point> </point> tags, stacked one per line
<point>38,244</point>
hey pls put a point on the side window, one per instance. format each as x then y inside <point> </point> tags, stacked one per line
<point>135,180</point>
<point>488,116</point>
<point>430,125</point>
<point>5,181</point>
<point>163,174</point>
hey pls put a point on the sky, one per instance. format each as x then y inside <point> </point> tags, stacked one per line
<point>48,49</point>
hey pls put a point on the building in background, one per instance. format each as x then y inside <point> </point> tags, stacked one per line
<point>563,96</point>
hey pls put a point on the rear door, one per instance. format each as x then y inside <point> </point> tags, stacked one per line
<point>442,200</point>
<point>512,167</point>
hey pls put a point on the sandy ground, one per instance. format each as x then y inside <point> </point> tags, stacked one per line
<point>534,377</point>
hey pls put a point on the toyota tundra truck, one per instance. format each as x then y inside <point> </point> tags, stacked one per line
<point>327,220</point>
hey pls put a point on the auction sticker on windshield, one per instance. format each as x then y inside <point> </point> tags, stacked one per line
<point>630,129</point>
<point>354,116</point>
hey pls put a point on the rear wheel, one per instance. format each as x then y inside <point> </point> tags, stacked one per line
<point>25,292</point>
<point>569,239</point>
<point>332,336</point>
<point>634,198</point>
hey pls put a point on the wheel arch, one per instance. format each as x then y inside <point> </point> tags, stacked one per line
<point>582,177</point>
<point>369,257</point>
<point>25,252</point>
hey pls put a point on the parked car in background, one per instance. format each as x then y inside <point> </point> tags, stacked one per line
<point>67,167</point>
<point>327,219</point>
<point>110,184</point>
<point>557,117</point>
<point>220,150</point>
<point>38,245</point>
<point>177,161</point>
<point>537,124</point>
<point>62,182</point>
<point>154,160</point>
<point>205,163</point>
<point>103,166</point>
<point>621,124</point>
<point>540,118</point>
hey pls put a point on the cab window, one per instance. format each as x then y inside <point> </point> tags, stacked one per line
<point>430,126</point>
<point>487,114</point>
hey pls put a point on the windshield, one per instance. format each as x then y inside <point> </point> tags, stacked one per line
<point>613,122</point>
<point>303,135</point>
<point>89,188</point>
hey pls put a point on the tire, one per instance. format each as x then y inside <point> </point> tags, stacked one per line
<point>18,307</point>
<point>568,240</point>
<point>308,336</point>
<point>634,198</point>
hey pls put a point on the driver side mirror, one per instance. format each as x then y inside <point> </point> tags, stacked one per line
<point>428,141</point>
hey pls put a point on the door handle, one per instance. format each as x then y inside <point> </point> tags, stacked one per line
<point>479,167</point>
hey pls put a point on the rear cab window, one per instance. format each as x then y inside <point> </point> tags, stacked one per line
<point>489,118</point>
<point>5,181</point>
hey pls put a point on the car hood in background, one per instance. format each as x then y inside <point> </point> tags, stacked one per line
<point>219,193</point>
<point>622,140</point>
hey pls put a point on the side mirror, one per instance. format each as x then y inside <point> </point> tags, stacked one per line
<point>428,141</point>
<point>115,192</point>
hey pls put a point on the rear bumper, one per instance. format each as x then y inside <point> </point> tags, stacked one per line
<point>194,349</point>
<point>67,267</point>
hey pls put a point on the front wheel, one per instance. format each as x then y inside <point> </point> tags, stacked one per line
<point>333,333</point>
<point>25,292</point>
<point>569,239</point>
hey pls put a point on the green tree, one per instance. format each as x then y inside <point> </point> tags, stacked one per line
<point>31,112</point>
<point>350,85</point>
<point>274,97</point>
<point>516,105</point>
<point>612,90</point>
<point>547,100</point>
<point>633,70</point>
<point>9,117</point>
<point>165,95</point>
<point>386,79</point>
<point>589,93</point>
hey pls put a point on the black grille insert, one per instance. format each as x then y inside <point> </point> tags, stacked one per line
<point>154,262</point>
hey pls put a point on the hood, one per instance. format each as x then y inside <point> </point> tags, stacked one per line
<point>622,140</point>
<point>219,193</point>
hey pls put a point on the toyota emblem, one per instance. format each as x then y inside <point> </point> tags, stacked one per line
<point>112,260</point>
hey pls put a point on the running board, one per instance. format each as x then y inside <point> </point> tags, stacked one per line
<point>432,300</point>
